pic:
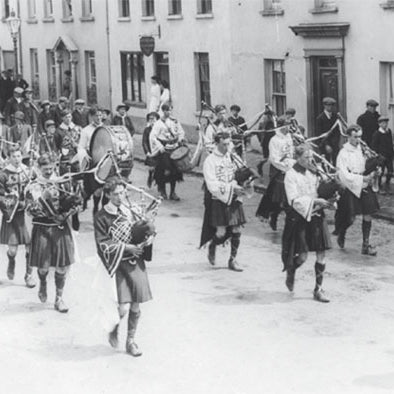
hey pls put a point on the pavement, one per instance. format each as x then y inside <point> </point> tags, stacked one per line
<point>207,330</point>
<point>253,158</point>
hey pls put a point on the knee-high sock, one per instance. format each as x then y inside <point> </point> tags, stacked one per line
<point>29,269</point>
<point>172,186</point>
<point>60,280</point>
<point>366,227</point>
<point>11,259</point>
<point>235,241</point>
<point>319,270</point>
<point>132,323</point>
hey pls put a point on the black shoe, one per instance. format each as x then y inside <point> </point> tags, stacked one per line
<point>273,222</point>
<point>290,280</point>
<point>113,337</point>
<point>319,295</point>
<point>75,222</point>
<point>369,250</point>
<point>132,348</point>
<point>234,266</point>
<point>11,270</point>
<point>163,194</point>
<point>174,197</point>
<point>42,292</point>
<point>341,240</point>
<point>150,179</point>
<point>211,253</point>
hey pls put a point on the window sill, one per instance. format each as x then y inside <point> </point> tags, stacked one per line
<point>204,16</point>
<point>31,21</point>
<point>388,5</point>
<point>124,19</point>
<point>68,19</point>
<point>272,12</point>
<point>175,17</point>
<point>148,18</point>
<point>324,10</point>
<point>87,19</point>
<point>48,19</point>
<point>136,104</point>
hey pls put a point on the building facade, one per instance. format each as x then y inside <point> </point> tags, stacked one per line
<point>289,53</point>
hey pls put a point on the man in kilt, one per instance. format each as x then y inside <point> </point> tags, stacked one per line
<point>52,244</point>
<point>358,197</point>
<point>281,152</point>
<point>224,213</point>
<point>13,180</point>
<point>166,135</point>
<point>124,260</point>
<point>305,227</point>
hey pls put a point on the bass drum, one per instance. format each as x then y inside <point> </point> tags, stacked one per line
<point>111,138</point>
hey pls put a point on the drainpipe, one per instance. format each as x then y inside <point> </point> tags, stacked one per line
<point>108,53</point>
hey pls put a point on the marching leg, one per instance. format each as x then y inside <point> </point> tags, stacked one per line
<point>42,292</point>
<point>318,293</point>
<point>235,241</point>
<point>173,195</point>
<point>290,271</point>
<point>11,253</point>
<point>113,339</point>
<point>366,228</point>
<point>30,282</point>
<point>132,323</point>
<point>60,280</point>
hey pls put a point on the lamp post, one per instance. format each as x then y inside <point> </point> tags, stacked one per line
<point>14,23</point>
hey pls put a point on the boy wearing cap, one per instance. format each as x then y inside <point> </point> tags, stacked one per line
<point>20,132</point>
<point>238,121</point>
<point>57,112</point>
<point>368,121</point>
<point>44,115</point>
<point>79,116</point>
<point>13,105</point>
<point>382,143</point>
<point>29,109</point>
<point>122,119</point>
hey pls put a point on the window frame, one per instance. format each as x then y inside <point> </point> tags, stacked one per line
<point>67,9</point>
<point>271,96</point>
<point>272,8</point>
<point>148,8</point>
<point>320,7</point>
<point>51,72</point>
<point>204,7</point>
<point>87,9</point>
<point>34,72</point>
<point>31,10</point>
<point>91,83</point>
<point>121,8</point>
<point>174,7</point>
<point>203,87</point>
<point>48,9</point>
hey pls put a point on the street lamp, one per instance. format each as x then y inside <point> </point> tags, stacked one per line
<point>14,23</point>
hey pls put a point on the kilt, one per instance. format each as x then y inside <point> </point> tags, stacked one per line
<point>51,246</point>
<point>300,236</point>
<point>278,193</point>
<point>226,215</point>
<point>14,233</point>
<point>132,284</point>
<point>166,170</point>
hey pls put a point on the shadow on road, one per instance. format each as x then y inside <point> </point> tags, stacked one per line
<point>16,309</point>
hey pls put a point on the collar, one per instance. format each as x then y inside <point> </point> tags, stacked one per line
<point>297,167</point>
<point>111,208</point>
<point>328,114</point>
<point>216,152</point>
<point>350,148</point>
<point>383,131</point>
<point>65,127</point>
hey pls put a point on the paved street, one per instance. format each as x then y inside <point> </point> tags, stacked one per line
<point>208,330</point>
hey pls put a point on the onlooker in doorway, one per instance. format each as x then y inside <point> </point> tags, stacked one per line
<point>66,88</point>
<point>20,82</point>
<point>155,94</point>
<point>368,121</point>
<point>121,118</point>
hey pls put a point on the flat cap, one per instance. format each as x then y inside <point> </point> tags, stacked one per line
<point>80,101</point>
<point>18,90</point>
<point>235,107</point>
<point>329,100</point>
<point>44,103</point>
<point>28,90</point>
<point>282,121</point>
<point>123,105</point>
<point>49,122</point>
<point>65,112</point>
<point>219,107</point>
<point>19,115</point>
<point>372,103</point>
<point>62,99</point>
<point>290,111</point>
<point>383,118</point>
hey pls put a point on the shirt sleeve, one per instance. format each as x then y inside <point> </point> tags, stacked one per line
<point>277,156</point>
<point>354,182</point>
<point>155,144</point>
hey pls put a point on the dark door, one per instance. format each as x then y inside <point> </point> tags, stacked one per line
<point>325,81</point>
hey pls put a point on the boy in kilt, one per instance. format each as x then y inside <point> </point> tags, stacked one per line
<point>13,180</point>
<point>52,245</point>
<point>124,260</point>
<point>305,226</point>
<point>224,213</point>
<point>359,196</point>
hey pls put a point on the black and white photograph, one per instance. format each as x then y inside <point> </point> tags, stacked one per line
<point>196,196</point>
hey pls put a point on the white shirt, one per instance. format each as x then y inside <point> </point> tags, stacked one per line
<point>165,130</point>
<point>351,166</point>
<point>154,102</point>
<point>218,172</point>
<point>281,151</point>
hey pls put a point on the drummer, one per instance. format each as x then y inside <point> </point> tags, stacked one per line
<point>167,135</point>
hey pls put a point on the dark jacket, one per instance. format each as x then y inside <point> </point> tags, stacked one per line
<point>118,121</point>
<point>383,143</point>
<point>57,115</point>
<point>368,121</point>
<point>80,118</point>
<point>324,124</point>
<point>11,107</point>
<point>42,118</point>
<point>31,113</point>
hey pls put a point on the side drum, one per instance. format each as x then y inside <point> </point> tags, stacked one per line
<point>182,159</point>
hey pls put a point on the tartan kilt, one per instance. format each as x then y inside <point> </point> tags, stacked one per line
<point>51,246</point>
<point>226,215</point>
<point>300,236</point>
<point>14,233</point>
<point>367,204</point>
<point>132,284</point>
<point>278,189</point>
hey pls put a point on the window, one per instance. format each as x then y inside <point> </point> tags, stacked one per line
<point>148,8</point>
<point>322,6</point>
<point>133,77</point>
<point>272,7</point>
<point>35,75</point>
<point>31,9</point>
<point>174,7</point>
<point>6,9</point>
<point>91,78</point>
<point>124,9</point>
<point>203,81</point>
<point>275,85</point>
<point>87,8</point>
<point>204,6</point>
<point>48,9</point>
<point>51,71</point>
<point>162,69</point>
<point>67,9</point>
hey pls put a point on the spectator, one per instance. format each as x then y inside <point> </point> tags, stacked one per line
<point>155,94</point>
<point>79,115</point>
<point>368,121</point>
<point>13,105</point>
<point>122,119</point>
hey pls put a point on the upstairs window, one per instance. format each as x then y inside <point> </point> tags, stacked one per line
<point>87,9</point>
<point>48,9</point>
<point>148,8</point>
<point>204,6</point>
<point>174,7</point>
<point>124,9</point>
<point>67,9</point>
